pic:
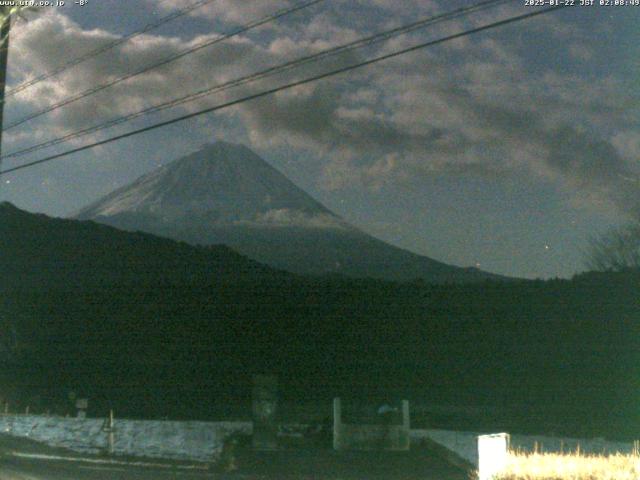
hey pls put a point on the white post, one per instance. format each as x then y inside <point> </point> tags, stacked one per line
<point>493,452</point>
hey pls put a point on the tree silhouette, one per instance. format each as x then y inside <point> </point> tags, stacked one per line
<point>616,250</point>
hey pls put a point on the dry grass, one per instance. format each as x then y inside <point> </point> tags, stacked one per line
<point>571,466</point>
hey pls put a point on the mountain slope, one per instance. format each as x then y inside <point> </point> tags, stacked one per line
<point>40,250</point>
<point>226,194</point>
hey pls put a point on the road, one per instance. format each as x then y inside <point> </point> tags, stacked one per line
<point>14,468</point>
<point>24,459</point>
<point>271,468</point>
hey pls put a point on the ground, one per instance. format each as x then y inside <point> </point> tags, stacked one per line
<point>419,464</point>
<point>301,464</point>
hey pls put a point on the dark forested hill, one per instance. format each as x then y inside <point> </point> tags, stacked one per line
<point>154,327</point>
<point>53,251</point>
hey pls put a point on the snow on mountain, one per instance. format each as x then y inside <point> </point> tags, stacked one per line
<point>227,183</point>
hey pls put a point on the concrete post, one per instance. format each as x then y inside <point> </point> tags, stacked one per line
<point>404,441</point>
<point>406,421</point>
<point>111,438</point>
<point>264,404</point>
<point>337,424</point>
<point>493,452</point>
<point>82,404</point>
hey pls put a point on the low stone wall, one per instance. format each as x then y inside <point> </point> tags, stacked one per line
<point>202,441</point>
<point>199,441</point>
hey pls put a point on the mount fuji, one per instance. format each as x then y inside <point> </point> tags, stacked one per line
<point>226,194</point>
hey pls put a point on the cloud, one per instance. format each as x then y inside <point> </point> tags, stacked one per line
<point>627,144</point>
<point>52,39</point>
<point>351,11</point>
<point>226,10</point>
<point>285,217</point>
<point>479,107</point>
<point>593,166</point>
<point>476,112</point>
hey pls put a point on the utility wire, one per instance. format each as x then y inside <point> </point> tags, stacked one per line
<point>105,48</point>
<point>359,43</point>
<point>287,86</point>
<point>208,43</point>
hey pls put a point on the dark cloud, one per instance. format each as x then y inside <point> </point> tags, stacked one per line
<point>49,41</point>
<point>479,114</point>
<point>471,108</point>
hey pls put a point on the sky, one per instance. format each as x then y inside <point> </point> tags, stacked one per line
<point>506,150</point>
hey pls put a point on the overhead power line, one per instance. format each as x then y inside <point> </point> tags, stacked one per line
<point>105,48</point>
<point>5,29</point>
<point>290,85</point>
<point>199,46</point>
<point>359,43</point>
